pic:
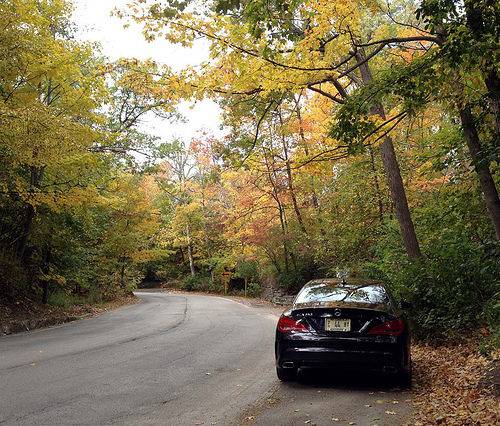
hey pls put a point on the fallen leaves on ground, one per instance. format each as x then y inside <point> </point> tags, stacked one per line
<point>449,388</point>
<point>26,314</point>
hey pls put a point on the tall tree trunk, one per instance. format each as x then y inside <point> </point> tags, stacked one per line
<point>46,269</point>
<point>476,25</point>
<point>27,223</point>
<point>273,259</point>
<point>376,184</point>
<point>492,82</point>
<point>122,274</point>
<point>274,193</point>
<point>314,196</point>
<point>399,199</point>
<point>45,292</point>
<point>295,204</point>
<point>291,188</point>
<point>291,253</point>
<point>394,179</point>
<point>283,231</point>
<point>482,168</point>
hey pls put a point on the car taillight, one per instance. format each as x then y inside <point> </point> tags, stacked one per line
<point>391,328</point>
<point>287,324</point>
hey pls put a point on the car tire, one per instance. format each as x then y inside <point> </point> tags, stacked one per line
<point>404,379</point>
<point>286,374</point>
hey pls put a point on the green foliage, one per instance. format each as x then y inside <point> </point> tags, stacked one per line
<point>248,269</point>
<point>304,270</point>
<point>453,288</point>
<point>471,30</point>
<point>254,289</point>
<point>65,300</point>
<point>273,18</point>
<point>411,86</point>
<point>491,341</point>
<point>202,283</point>
<point>294,191</point>
<point>74,212</point>
<point>14,281</point>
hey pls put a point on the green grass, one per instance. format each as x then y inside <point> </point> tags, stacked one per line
<point>65,300</point>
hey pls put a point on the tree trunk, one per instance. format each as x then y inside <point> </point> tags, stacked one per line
<point>122,274</point>
<point>478,27</point>
<point>376,183</point>
<point>191,260</point>
<point>291,188</point>
<point>399,199</point>
<point>45,294</point>
<point>29,215</point>
<point>272,257</point>
<point>314,196</point>
<point>394,179</point>
<point>279,205</point>
<point>492,82</point>
<point>291,253</point>
<point>485,179</point>
<point>46,269</point>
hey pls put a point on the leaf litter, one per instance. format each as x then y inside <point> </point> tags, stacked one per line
<point>449,386</point>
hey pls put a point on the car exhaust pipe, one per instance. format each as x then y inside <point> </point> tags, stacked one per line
<point>288,364</point>
<point>390,369</point>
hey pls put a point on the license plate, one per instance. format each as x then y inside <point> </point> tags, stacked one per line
<point>332,324</point>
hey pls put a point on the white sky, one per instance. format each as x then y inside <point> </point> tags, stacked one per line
<point>95,24</point>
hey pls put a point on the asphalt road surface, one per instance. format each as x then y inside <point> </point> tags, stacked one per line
<point>176,359</point>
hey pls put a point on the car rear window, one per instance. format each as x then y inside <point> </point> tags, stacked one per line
<point>325,292</point>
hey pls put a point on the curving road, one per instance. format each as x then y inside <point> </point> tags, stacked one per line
<point>172,360</point>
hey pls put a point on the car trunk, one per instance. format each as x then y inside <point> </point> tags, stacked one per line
<point>347,346</point>
<point>361,321</point>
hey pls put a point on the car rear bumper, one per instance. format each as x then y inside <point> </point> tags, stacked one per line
<point>388,362</point>
<point>368,356</point>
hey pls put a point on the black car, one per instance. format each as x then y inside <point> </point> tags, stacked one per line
<point>346,324</point>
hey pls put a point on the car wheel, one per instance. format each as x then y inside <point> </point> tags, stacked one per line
<point>286,374</point>
<point>404,379</point>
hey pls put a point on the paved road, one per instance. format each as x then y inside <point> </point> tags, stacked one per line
<point>173,359</point>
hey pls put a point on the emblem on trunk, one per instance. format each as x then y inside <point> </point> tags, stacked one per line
<point>337,312</point>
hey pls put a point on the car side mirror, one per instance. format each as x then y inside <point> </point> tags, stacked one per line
<point>405,305</point>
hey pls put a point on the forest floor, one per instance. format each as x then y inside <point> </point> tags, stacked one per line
<point>25,314</point>
<point>455,385</point>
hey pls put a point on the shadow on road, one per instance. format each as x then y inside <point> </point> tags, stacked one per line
<point>332,379</point>
<point>320,397</point>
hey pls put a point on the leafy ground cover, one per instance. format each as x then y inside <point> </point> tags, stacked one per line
<point>455,385</point>
<point>27,315</point>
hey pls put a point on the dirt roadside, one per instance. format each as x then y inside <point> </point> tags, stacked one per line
<point>25,315</point>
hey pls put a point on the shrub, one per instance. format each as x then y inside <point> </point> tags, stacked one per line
<point>65,300</point>
<point>13,279</point>
<point>293,280</point>
<point>196,283</point>
<point>452,289</point>
<point>253,289</point>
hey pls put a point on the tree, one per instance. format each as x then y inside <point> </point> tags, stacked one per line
<point>469,38</point>
<point>298,50</point>
<point>68,125</point>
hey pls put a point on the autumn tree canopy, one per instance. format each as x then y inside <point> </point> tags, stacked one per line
<point>359,135</point>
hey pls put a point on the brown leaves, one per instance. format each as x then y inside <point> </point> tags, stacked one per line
<point>448,388</point>
<point>29,315</point>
